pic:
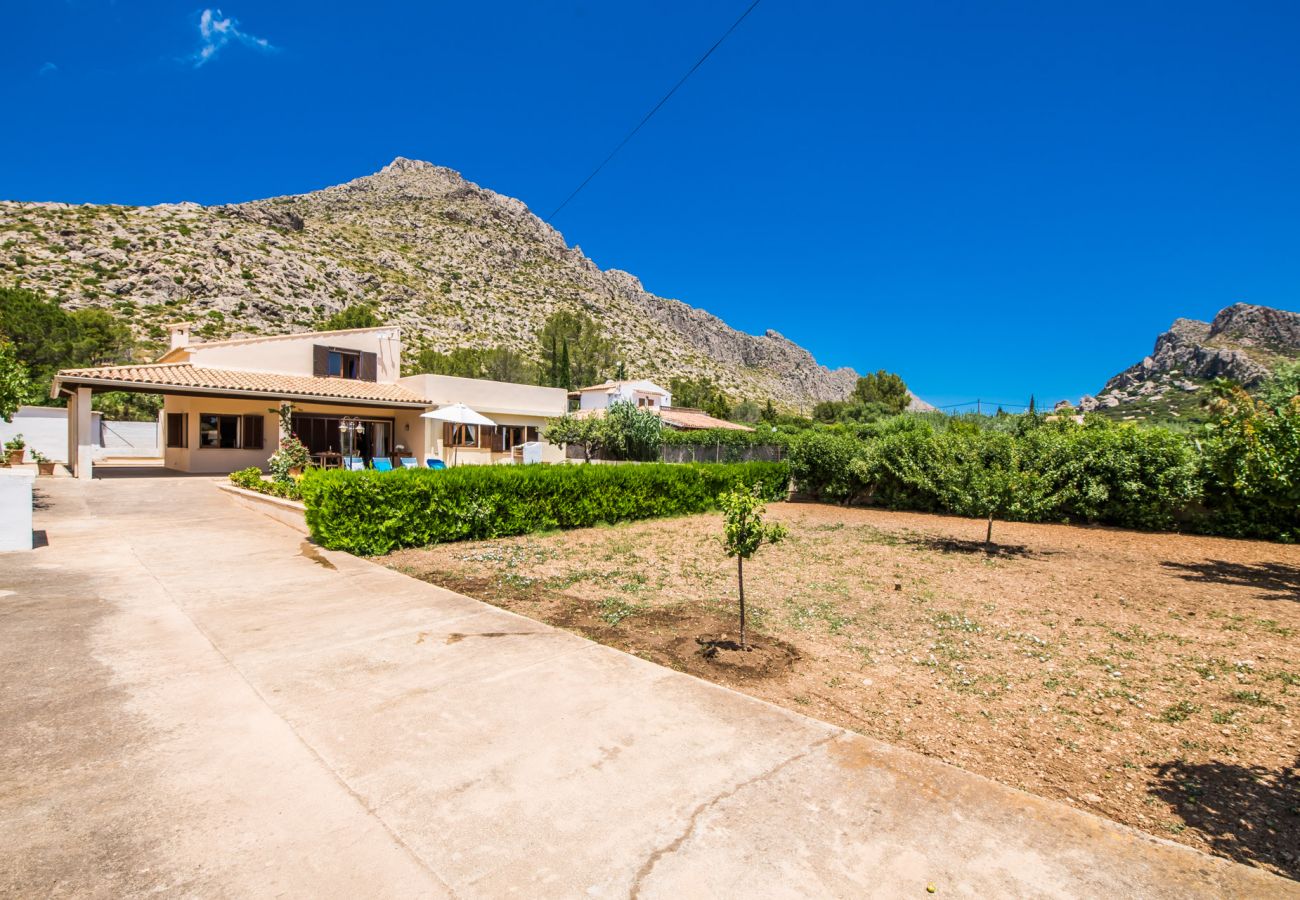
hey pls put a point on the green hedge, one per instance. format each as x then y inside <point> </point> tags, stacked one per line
<point>1239,476</point>
<point>763,435</point>
<point>375,512</point>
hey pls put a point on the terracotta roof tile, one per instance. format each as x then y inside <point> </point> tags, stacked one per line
<point>183,376</point>
<point>693,419</point>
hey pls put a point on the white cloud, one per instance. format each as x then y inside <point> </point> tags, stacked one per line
<point>217,30</point>
<point>48,68</point>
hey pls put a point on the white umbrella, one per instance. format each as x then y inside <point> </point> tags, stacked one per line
<point>457,414</point>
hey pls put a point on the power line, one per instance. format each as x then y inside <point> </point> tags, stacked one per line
<point>632,133</point>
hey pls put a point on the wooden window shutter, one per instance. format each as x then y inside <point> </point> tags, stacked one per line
<point>369,366</point>
<point>177,432</point>
<point>253,435</point>
<point>320,360</point>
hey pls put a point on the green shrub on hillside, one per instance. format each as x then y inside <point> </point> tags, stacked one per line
<point>376,512</point>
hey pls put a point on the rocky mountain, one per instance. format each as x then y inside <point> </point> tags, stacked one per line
<point>1243,343</point>
<point>453,263</point>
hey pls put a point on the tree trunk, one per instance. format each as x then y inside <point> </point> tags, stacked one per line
<point>988,536</point>
<point>740,574</point>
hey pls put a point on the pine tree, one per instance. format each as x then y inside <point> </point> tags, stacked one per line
<point>1031,404</point>
<point>566,375</point>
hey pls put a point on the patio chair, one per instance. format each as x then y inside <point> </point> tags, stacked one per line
<point>383,465</point>
<point>354,463</point>
<point>410,462</point>
<point>435,464</point>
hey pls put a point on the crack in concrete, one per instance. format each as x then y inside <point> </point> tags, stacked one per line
<point>673,846</point>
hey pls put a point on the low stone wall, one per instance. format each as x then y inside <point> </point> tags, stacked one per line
<point>286,512</point>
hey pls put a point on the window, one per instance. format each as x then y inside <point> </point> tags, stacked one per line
<point>253,435</point>
<point>461,435</point>
<point>178,430</point>
<point>218,432</point>
<point>344,364</point>
<point>509,437</point>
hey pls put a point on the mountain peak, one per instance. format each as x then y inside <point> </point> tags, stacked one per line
<point>455,264</point>
<point>402,164</point>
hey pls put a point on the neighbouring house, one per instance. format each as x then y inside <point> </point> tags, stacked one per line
<point>220,403</point>
<point>639,393</point>
<point>594,400</point>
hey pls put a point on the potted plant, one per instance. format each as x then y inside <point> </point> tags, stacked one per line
<point>291,459</point>
<point>44,465</point>
<point>14,450</point>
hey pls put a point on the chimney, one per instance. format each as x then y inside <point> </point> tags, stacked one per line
<point>180,335</point>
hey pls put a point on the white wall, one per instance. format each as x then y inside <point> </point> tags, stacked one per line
<point>45,428</point>
<point>638,393</point>
<point>128,439</point>
<point>16,509</point>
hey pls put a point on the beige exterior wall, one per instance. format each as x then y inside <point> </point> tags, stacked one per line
<point>292,354</point>
<point>476,456</point>
<point>502,402</point>
<point>489,397</point>
<point>408,430</point>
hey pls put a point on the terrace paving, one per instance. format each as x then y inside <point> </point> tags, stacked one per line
<point>195,700</point>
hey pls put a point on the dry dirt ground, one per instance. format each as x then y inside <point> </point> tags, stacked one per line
<point>1151,678</point>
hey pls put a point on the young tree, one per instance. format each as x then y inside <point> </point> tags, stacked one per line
<point>884,388</point>
<point>590,433</point>
<point>744,532</point>
<point>15,386</point>
<point>769,413</point>
<point>986,474</point>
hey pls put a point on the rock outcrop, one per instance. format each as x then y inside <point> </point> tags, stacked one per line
<point>455,264</point>
<point>1243,343</point>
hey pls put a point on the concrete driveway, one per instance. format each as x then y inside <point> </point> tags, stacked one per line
<point>195,701</point>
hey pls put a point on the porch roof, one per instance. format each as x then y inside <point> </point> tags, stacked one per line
<point>185,378</point>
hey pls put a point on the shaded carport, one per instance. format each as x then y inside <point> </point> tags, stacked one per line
<point>77,386</point>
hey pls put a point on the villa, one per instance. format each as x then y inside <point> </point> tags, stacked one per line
<point>348,396</point>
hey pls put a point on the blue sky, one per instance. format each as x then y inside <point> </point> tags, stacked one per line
<point>992,198</point>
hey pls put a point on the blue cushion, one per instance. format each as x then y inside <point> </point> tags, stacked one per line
<point>383,465</point>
